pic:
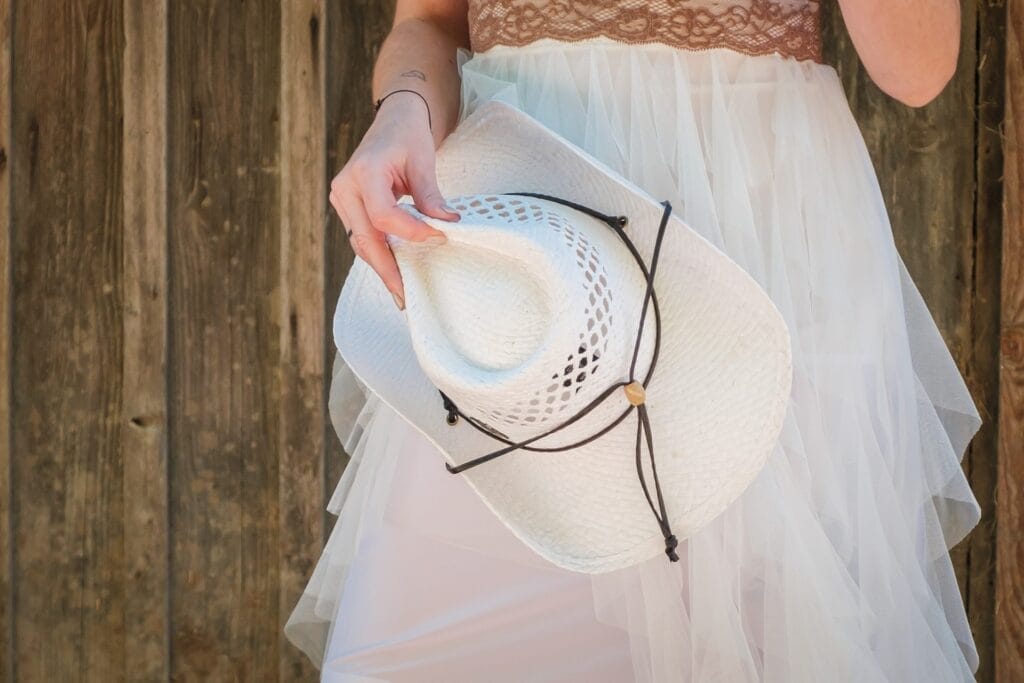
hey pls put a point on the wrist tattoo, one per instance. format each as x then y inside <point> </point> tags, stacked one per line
<point>415,73</point>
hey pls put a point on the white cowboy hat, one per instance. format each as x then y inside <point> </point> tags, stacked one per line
<point>523,327</point>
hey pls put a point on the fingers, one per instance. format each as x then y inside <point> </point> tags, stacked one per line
<point>425,193</point>
<point>364,195</point>
<point>384,214</point>
<point>371,245</point>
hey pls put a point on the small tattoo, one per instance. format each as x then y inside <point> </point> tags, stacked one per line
<point>415,73</point>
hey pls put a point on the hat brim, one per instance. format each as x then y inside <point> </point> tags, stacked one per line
<point>717,400</point>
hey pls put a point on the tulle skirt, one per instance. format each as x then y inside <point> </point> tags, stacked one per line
<point>832,566</point>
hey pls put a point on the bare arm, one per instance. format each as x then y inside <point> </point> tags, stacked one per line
<point>396,156</point>
<point>419,54</point>
<point>908,47</point>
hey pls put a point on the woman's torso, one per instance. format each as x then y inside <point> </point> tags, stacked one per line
<point>788,27</point>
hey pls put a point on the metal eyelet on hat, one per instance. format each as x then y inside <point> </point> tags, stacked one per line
<point>453,413</point>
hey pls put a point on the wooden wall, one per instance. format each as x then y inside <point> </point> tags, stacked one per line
<point>169,265</point>
<point>1009,612</point>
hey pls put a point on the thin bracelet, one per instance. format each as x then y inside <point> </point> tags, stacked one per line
<point>376,105</point>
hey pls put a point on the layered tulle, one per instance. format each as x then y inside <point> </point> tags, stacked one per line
<point>832,566</point>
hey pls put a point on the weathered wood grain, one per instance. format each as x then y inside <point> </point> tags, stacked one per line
<point>143,375</point>
<point>356,30</point>
<point>1009,613</point>
<point>302,307</point>
<point>982,361</point>
<point>224,302</point>
<point>66,261</point>
<point>6,580</point>
<point>929,165</point>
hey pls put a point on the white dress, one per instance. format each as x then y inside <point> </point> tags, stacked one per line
<point>833,565</point>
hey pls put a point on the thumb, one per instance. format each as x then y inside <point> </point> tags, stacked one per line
<point>426,195</point>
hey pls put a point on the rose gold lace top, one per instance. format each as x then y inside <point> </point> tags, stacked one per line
<point>789,27</point>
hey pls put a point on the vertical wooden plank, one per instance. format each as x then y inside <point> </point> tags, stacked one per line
<point>982,361</point>
<point>144,416</point>
<point>303,219</point>
<point>224,274</point>
<point>356,30</point>
<point>6,592</point>
<point>67,354</point>
<point>1010,559</point>
<point>929,166</point>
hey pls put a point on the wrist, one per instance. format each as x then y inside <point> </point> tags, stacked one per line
<point>408,103</point>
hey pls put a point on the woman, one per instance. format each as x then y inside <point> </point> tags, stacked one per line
<point>833,565</point>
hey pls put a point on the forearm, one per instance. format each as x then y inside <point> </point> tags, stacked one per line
<point>908,47</point>
<point>419,54</point>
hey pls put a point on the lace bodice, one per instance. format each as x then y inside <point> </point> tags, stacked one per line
<point>789,27</point>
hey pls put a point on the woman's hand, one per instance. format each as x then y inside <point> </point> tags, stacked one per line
<point>396,157</point>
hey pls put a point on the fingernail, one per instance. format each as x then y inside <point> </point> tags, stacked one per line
<point>399,301</point>
<point>452,211</point>
<point>435,240</point>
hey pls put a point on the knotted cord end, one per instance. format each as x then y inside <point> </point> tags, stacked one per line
<point>670,547</point>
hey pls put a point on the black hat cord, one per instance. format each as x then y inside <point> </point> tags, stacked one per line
<point>634,389</point>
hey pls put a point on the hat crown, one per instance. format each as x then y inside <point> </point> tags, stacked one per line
<point>525,314</point>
